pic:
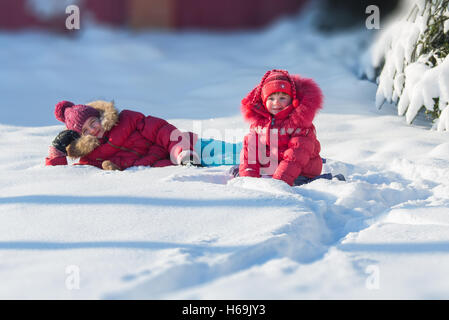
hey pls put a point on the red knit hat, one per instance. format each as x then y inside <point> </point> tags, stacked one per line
<point>277,81</point>
<point>74,116</point>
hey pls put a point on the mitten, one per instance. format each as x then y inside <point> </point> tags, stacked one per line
<point>109,165</point>
<point>63,139</point>
<point>234,171</point>
<point>189,158</point>
<point>55,157</point>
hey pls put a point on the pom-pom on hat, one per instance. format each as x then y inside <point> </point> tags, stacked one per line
<point>276,81</point>
<point>74,116</point>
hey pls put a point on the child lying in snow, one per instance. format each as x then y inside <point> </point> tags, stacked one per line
<point>282,142</point>
<point>102,136</point>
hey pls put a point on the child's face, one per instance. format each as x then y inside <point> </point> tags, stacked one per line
<point>93,127</point>
<point>277,102</point>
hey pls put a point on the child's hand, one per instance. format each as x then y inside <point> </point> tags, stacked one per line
<point>109,165</point>
<point>189,158</point>
<point>63,139</point>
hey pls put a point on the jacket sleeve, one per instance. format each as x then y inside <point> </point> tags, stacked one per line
<point>122,162</point>
<point>59,161</point>
<point>167,136</point>
<point>300,149</point>
<point>55,157</point>
<point>154,154</point>
<point>87,161</point>
<point>249,165</point>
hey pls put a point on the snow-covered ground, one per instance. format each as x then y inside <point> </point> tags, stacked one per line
<point>75,232</point>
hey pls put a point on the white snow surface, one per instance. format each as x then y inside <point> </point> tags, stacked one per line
<point>77,232</point>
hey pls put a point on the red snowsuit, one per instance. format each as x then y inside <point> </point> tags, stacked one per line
<point>297,151</point>
<point>130,139</point>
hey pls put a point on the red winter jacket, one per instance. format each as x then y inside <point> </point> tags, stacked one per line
<point>297,149</point>
<point>130,139</point>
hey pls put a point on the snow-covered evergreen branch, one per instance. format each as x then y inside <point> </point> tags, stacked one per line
<point>411,55</point>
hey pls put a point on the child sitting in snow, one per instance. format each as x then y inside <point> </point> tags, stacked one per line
<point>282,142</point>
<point>102,136</point>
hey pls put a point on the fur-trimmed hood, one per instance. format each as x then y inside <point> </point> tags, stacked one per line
<point>109,117</point>
<point>310,100</point>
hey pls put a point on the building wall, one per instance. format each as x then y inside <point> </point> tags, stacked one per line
<point>166,14</point>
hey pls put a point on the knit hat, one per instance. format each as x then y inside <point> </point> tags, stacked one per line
<point>74,116</point>
<point>277,81</point>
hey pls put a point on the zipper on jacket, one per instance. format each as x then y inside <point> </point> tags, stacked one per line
<point>269,130</point>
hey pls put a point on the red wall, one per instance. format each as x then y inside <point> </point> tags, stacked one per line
<point>210,14</point>
<point>15,15</point>
<point>232,14</point>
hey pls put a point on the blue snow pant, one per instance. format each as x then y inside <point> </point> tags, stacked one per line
<point>217,153</point>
